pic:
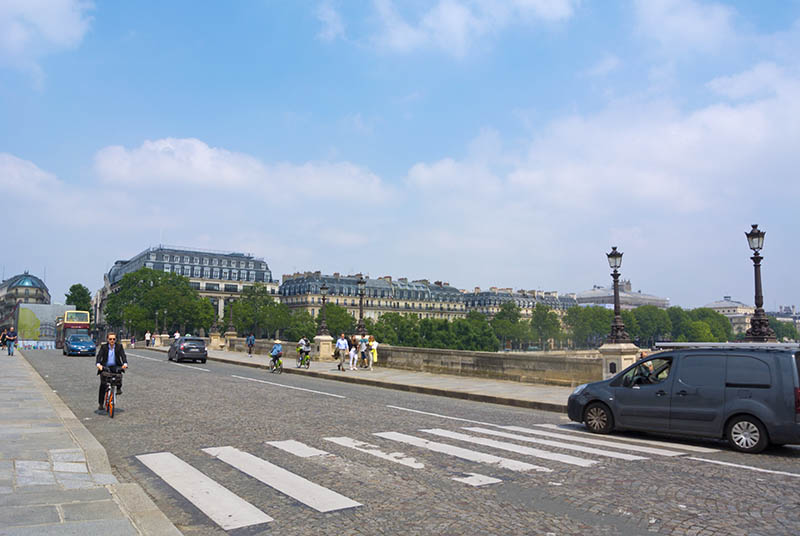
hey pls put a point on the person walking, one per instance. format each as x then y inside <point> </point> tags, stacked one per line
<point>362,351</point>
<point>133,341</point>
<point>342,349</point>
<point>11,340</point>
<point>147,337</point>
<point>3,338</point>
<point>250,341</point>
<point>177,334</point>
<point>373,351</point>
<point>353,357</point>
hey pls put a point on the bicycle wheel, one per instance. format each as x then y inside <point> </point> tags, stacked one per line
<point>271,366</point>
<point>279,367</point>
<point>112,398</point>
<point>106,398</point>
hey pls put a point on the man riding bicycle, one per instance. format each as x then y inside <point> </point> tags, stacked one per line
<point>276,352</point>
<point>112,356</point>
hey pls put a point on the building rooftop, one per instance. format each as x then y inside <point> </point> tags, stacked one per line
<point>726,302</point>
<point>23,280</point>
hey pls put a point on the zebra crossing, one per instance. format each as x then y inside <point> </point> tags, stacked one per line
<point>490,447</point>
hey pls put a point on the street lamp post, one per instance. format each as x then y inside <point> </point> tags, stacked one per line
<point>323,327</point>
<point>759,324</point>
<point>618,334</point>
<point>360,328</point>
<point>165,321</point>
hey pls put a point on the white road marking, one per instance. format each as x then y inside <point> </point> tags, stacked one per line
<point>593,439</point>
<point>145,357</point>
<point>225,508</point>
<point>317,497</point>
<point>465,454</point>
<point>366,448</point>
<point>511,447</point>
<point>477,480</point>
<point>556,444</point>
<point>298,449</point>
<point>442,416</point>
<point>191,367</point>
<point>749,467</point>
<point>287,386</point>
<point>669,444</point>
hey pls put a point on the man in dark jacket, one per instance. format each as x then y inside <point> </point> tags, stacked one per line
<point>111,355</point>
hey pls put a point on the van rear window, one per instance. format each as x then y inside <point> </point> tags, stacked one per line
<point>797,364</point>
<point>748,372</point>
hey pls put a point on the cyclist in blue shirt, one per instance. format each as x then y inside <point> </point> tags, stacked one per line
<point>277,351</point>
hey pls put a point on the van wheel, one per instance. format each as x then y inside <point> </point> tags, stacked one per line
<point>746,434</point>
<point>598,418</point>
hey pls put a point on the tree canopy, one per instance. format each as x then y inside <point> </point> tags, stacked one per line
<point>80,297</point>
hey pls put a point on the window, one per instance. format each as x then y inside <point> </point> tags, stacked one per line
<point>263,266</point>
<point>197,271</point>
<point>205,261</point>
<point>165,258</point>
<point>152,256</point>
<point>747,372</point>
<point>195,285</point>
<point>197,260</point>
<point>234,275</point>
<point>652,371</point>
<point>231,288</point>
<point>249,264</point>
<point>148,265</point>
<point>186,259</point>
<point>252,276</point>
<point>224,262</point>
<point>207,272</point>
<point>212,286</point>
<point>215,262</point>
<point>215,273</point>
<point>167,268</point>
<point>176,258</point>
<point>703,371</point>
<point>224,273</point>
<point>187,270</point>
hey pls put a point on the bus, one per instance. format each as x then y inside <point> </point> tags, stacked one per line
<point>72,323</point>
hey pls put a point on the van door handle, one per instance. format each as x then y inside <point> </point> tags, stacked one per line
<point>661,393</point>
<point>682,393</point>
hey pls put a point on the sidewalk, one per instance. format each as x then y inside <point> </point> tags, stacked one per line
<point>55,477</point>
<point>510,393</point>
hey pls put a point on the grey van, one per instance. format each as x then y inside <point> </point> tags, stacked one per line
<point>748,394</point>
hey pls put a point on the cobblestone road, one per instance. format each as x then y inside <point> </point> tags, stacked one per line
<point>438,465</point>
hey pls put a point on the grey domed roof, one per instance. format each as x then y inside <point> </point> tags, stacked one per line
<point>25,280</point>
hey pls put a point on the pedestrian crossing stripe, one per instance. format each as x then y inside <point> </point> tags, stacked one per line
<point>373,450</point>
<point>459,452</point>
<point>224,507</point>
<point>578,428</point>
<point>512,447</point>
<point>594,439</point>
<point>475,480</point>
<point>298,449</point>
<point>313,495</point>
<point>556,444</point>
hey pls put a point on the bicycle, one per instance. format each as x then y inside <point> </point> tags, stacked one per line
<point>303,358</point>
<point>112,380</point>
<point>276,364</point>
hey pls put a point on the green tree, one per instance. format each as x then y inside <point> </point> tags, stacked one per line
<point>699,331</point>
<point>654,323</point>
<point>301,324</point>
<point>544,325</point>
<point>508,325</point>
<point>258,312</point>
<point>486,339</point>
<point>589,326</point>
<point>338,320</point>
<point>80,297</point>
<point>720,326</point>
<point>680,320</point>
<point>783,330</point>
<point>631,324</point>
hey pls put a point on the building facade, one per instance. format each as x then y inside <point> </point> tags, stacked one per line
<point>381,295</point>
<point>22,288</point>
<point>219,276</point>
<point>490,301</point>
<point>628,299</point>
<point>736,312</point>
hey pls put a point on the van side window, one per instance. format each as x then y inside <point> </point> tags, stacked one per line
<point>703,371</point>
<point>648,372</point>
<point>747,372</point>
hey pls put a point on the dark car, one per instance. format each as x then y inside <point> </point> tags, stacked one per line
<point>748,394</point>
<point>79,345</point>
<point>188,349</point>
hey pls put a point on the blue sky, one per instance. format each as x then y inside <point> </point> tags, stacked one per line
<point>483,142</point>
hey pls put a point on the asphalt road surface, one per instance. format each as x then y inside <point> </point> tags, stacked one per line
<point>228,449</point>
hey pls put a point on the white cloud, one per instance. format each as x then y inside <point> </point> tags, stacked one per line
<point>685,26</point>
<point>332,24</point>
<point>29,29</point>
<point>454,25</point>
<point>181,163</point>
<point>763,78</point>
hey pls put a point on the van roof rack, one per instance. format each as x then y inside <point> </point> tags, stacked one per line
<point>731,345</point>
